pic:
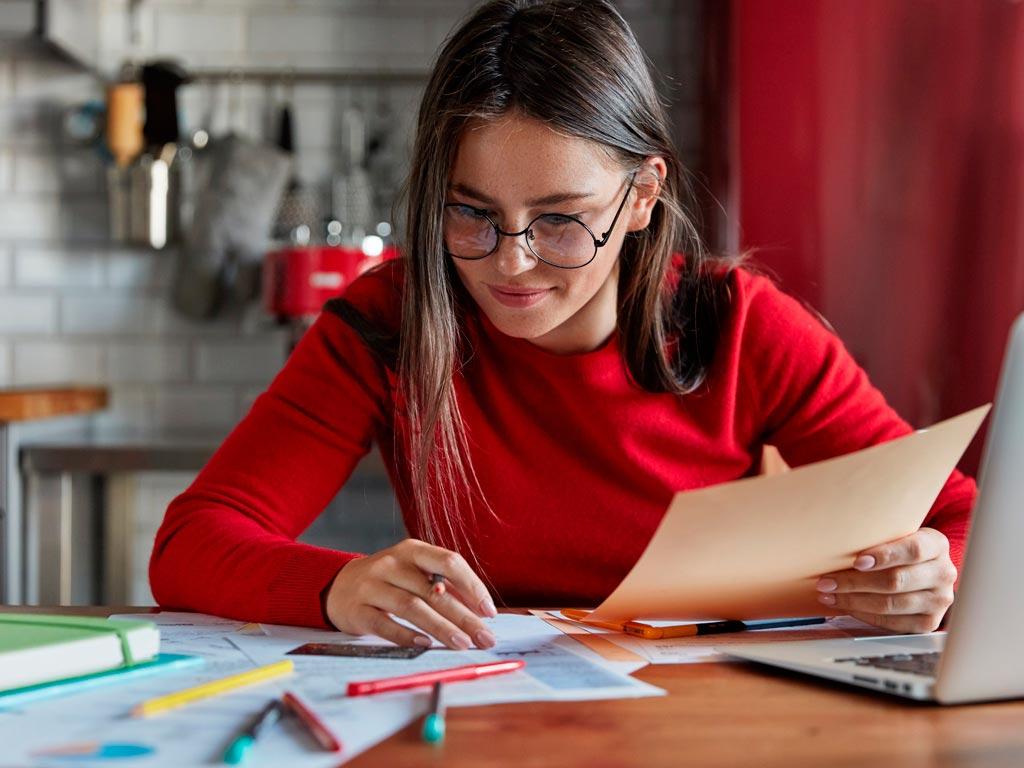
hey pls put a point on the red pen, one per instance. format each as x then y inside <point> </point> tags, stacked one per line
<point>316,727</point>
<point>420,679</point>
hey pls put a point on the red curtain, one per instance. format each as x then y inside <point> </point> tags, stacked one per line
<point>877,163</point>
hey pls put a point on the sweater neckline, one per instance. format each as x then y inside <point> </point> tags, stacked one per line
<point>598,356</point>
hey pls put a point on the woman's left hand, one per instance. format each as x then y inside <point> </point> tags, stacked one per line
<point>905,585</point>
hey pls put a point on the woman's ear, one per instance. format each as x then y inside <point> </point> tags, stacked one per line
<point>646,191</point>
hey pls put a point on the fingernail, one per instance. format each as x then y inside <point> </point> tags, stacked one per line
<point>827,599</point>
<point>827,585</point>
<point>485,639</point>
<point>864,563</point>
<point>487,607</point>
<point>423,642</point>
<point>461,641</point>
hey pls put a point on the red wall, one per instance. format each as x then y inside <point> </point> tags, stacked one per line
<point>878,165</point>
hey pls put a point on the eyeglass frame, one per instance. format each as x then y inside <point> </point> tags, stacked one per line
<point>598,244</point>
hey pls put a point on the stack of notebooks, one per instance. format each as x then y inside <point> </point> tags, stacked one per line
<point>43,655</point>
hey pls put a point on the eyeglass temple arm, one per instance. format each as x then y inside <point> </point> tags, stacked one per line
<point>604,238</point>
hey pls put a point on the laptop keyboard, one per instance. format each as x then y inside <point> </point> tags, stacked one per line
<point>914,663</point>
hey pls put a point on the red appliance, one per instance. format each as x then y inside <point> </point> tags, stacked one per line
<point>297,280</point>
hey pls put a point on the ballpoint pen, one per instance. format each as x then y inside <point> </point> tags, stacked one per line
<point>649,632</point>
<point>714,627</point>
<point>239,748</point>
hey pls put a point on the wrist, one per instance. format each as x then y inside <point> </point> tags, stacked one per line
<point>324,594</point>
<point>325,597</point>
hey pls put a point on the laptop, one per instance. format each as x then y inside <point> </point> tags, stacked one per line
<point>978,658</point>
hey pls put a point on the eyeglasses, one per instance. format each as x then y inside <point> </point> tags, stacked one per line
<point>557,239</point>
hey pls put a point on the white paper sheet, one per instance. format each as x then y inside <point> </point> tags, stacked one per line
<point>197,734</point>
<point>557,668</point>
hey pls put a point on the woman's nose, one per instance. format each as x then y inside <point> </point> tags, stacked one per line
<point>513,256</point>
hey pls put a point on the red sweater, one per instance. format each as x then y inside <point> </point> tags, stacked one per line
<point>578,463</point>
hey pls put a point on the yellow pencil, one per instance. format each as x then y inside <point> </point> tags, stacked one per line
<point>213,688</point>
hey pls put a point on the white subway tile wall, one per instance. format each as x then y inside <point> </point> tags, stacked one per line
<point>27,313</point>
<point>54,268</point>
<point>5,265</point>
<point>17,16</point>
<point>147,363</point>
<point>54,362</point>
<point>194,407</point>
<point>6,163</point>
<point>74,308</point>
<point>238,362</point>
<point>5,364</point>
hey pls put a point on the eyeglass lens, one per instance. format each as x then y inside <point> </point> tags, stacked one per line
<point>556,239</point>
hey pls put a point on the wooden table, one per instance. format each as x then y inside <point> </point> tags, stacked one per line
<point>32,403</point>
<point>726,715</point>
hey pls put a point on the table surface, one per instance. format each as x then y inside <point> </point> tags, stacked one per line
<point>715,715</point>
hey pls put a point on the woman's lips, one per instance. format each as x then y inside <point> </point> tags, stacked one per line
<point>518,297</point>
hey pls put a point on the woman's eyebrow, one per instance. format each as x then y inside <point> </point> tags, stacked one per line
<point>555,199</point>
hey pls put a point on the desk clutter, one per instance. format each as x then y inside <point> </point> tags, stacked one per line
<point>186,689</point>
<point>262,694</point>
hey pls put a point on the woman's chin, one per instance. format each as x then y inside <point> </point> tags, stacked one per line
<point>520,326</point>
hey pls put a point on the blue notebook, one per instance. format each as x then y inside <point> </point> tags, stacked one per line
<point>164,662</point>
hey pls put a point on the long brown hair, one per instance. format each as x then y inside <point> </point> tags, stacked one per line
<point>575,65</point>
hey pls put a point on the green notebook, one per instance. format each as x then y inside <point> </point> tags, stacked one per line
<point>40,648</point>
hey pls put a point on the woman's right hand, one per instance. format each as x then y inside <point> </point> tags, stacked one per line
<point>396,581</point>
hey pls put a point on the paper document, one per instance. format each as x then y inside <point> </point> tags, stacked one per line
<point>557,668</point>
<point>754,548</point>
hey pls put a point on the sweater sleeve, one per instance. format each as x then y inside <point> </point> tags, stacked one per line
<point>816,402</point>
<point>227,545</point>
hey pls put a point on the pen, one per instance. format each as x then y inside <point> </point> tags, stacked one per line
<point>224,685</point>
<point>420,679</point>
<point>239,748</point>
<point>713,627</point>
<point>433,723</point>
<point>317,728</point>
<point>648,632</point>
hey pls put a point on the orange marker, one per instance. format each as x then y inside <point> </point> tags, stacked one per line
<point>574,614</point>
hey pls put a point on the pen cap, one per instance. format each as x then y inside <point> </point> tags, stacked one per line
<point>238,749</point>
<point>433,728</point>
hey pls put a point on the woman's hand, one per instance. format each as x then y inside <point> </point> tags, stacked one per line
<point>396,581</point>
<point>905,585</point>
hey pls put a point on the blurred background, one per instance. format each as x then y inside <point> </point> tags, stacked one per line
<point>183,183</point>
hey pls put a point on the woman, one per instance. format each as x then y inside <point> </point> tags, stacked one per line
<point>542,372</point>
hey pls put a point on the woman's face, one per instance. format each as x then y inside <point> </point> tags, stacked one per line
<point>507,167</point>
